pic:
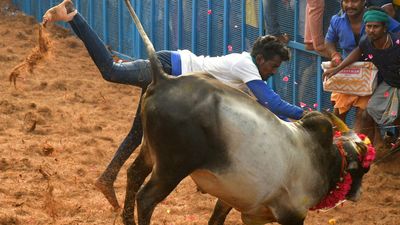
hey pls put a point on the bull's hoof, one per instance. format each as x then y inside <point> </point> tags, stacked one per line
<point>108,191</point>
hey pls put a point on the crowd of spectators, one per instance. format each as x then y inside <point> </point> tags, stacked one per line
<point>346,31</point>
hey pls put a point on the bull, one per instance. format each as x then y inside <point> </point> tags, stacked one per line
<point>236,150</point>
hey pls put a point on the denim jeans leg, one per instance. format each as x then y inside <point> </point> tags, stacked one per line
<point>136,73</point>
<point>271,18</point>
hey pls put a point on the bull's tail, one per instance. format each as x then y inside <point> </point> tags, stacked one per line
<point>157,71</point>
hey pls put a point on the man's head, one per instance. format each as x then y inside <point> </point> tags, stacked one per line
<point>268,53</point>
<point>353,8</point>
<point>376,22</point>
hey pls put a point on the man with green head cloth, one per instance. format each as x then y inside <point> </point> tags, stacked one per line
<point>382,47</point>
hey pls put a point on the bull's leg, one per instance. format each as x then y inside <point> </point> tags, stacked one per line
<point>221,210</point>
<point>137,173</point>
<point>106,181</point>
<point>154,191</point>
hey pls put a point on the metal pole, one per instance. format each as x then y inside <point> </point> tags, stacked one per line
<point>295,52</point>
<point>153,20</point>
<point>166,24</point>
<point>135,33</point>
<point>209,26</point>
<point>105,27</point>
<point>194,26</point>
<point>243,34</point>
<point>260,18</point>
<point>39,9</point>
<point>91,14</point>
<point>226,27</point>
<point>120,25</point>
<point>78,4</point>
<point>180,23</point>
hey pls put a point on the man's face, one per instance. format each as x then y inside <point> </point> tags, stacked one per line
<point>375,30</point>
<point>268,68</point>
<point>353,7</point>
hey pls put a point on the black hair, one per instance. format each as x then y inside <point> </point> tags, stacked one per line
<point>377,8</point>
<point>366,3</point>
<point>269,46</point>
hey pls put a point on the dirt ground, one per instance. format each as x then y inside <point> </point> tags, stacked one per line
<point>61,125</point>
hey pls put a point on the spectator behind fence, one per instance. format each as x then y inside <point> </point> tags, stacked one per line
<point>272,26</point>
<point>393,9</point>
<point>245,71</point>
<point>384,51</point>
<point>272,21</point>
<point>314,37</point>
<point>345,30</point>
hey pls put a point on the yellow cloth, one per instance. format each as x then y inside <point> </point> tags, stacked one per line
<point>251,13</point>
<point>344,102</point>
<point>396,2</point>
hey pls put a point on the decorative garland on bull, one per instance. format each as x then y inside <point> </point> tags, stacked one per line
<point>341,188</point>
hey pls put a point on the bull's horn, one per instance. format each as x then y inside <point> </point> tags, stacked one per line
<point>338,123</point>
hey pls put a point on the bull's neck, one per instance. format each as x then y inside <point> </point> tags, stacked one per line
<point>339,182</point>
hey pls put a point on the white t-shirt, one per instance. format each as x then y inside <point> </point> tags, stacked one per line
<point>234,69</point>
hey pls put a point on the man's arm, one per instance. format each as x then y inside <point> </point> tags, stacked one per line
<point>352,58</point>
<point>272,101</point>
<point>335,56</point>
<point>331,38</point>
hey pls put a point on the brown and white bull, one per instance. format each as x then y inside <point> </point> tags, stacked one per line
<point>236,150</point>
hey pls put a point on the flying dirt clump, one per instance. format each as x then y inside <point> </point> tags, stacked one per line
<point>36,55</point>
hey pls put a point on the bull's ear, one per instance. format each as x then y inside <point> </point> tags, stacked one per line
<point>337,122</point>
<point>352,165</point>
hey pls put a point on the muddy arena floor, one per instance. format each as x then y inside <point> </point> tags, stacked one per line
<point>60,126</point>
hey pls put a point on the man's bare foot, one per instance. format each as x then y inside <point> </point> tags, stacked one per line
<point>108,191</point>
<point>65,11</point>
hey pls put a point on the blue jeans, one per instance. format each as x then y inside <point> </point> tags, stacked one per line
<point>136,73</point>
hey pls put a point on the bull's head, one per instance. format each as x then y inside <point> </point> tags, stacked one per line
<point>359,154</point>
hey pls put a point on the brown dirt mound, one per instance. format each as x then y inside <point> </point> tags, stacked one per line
<point>62,125</point>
